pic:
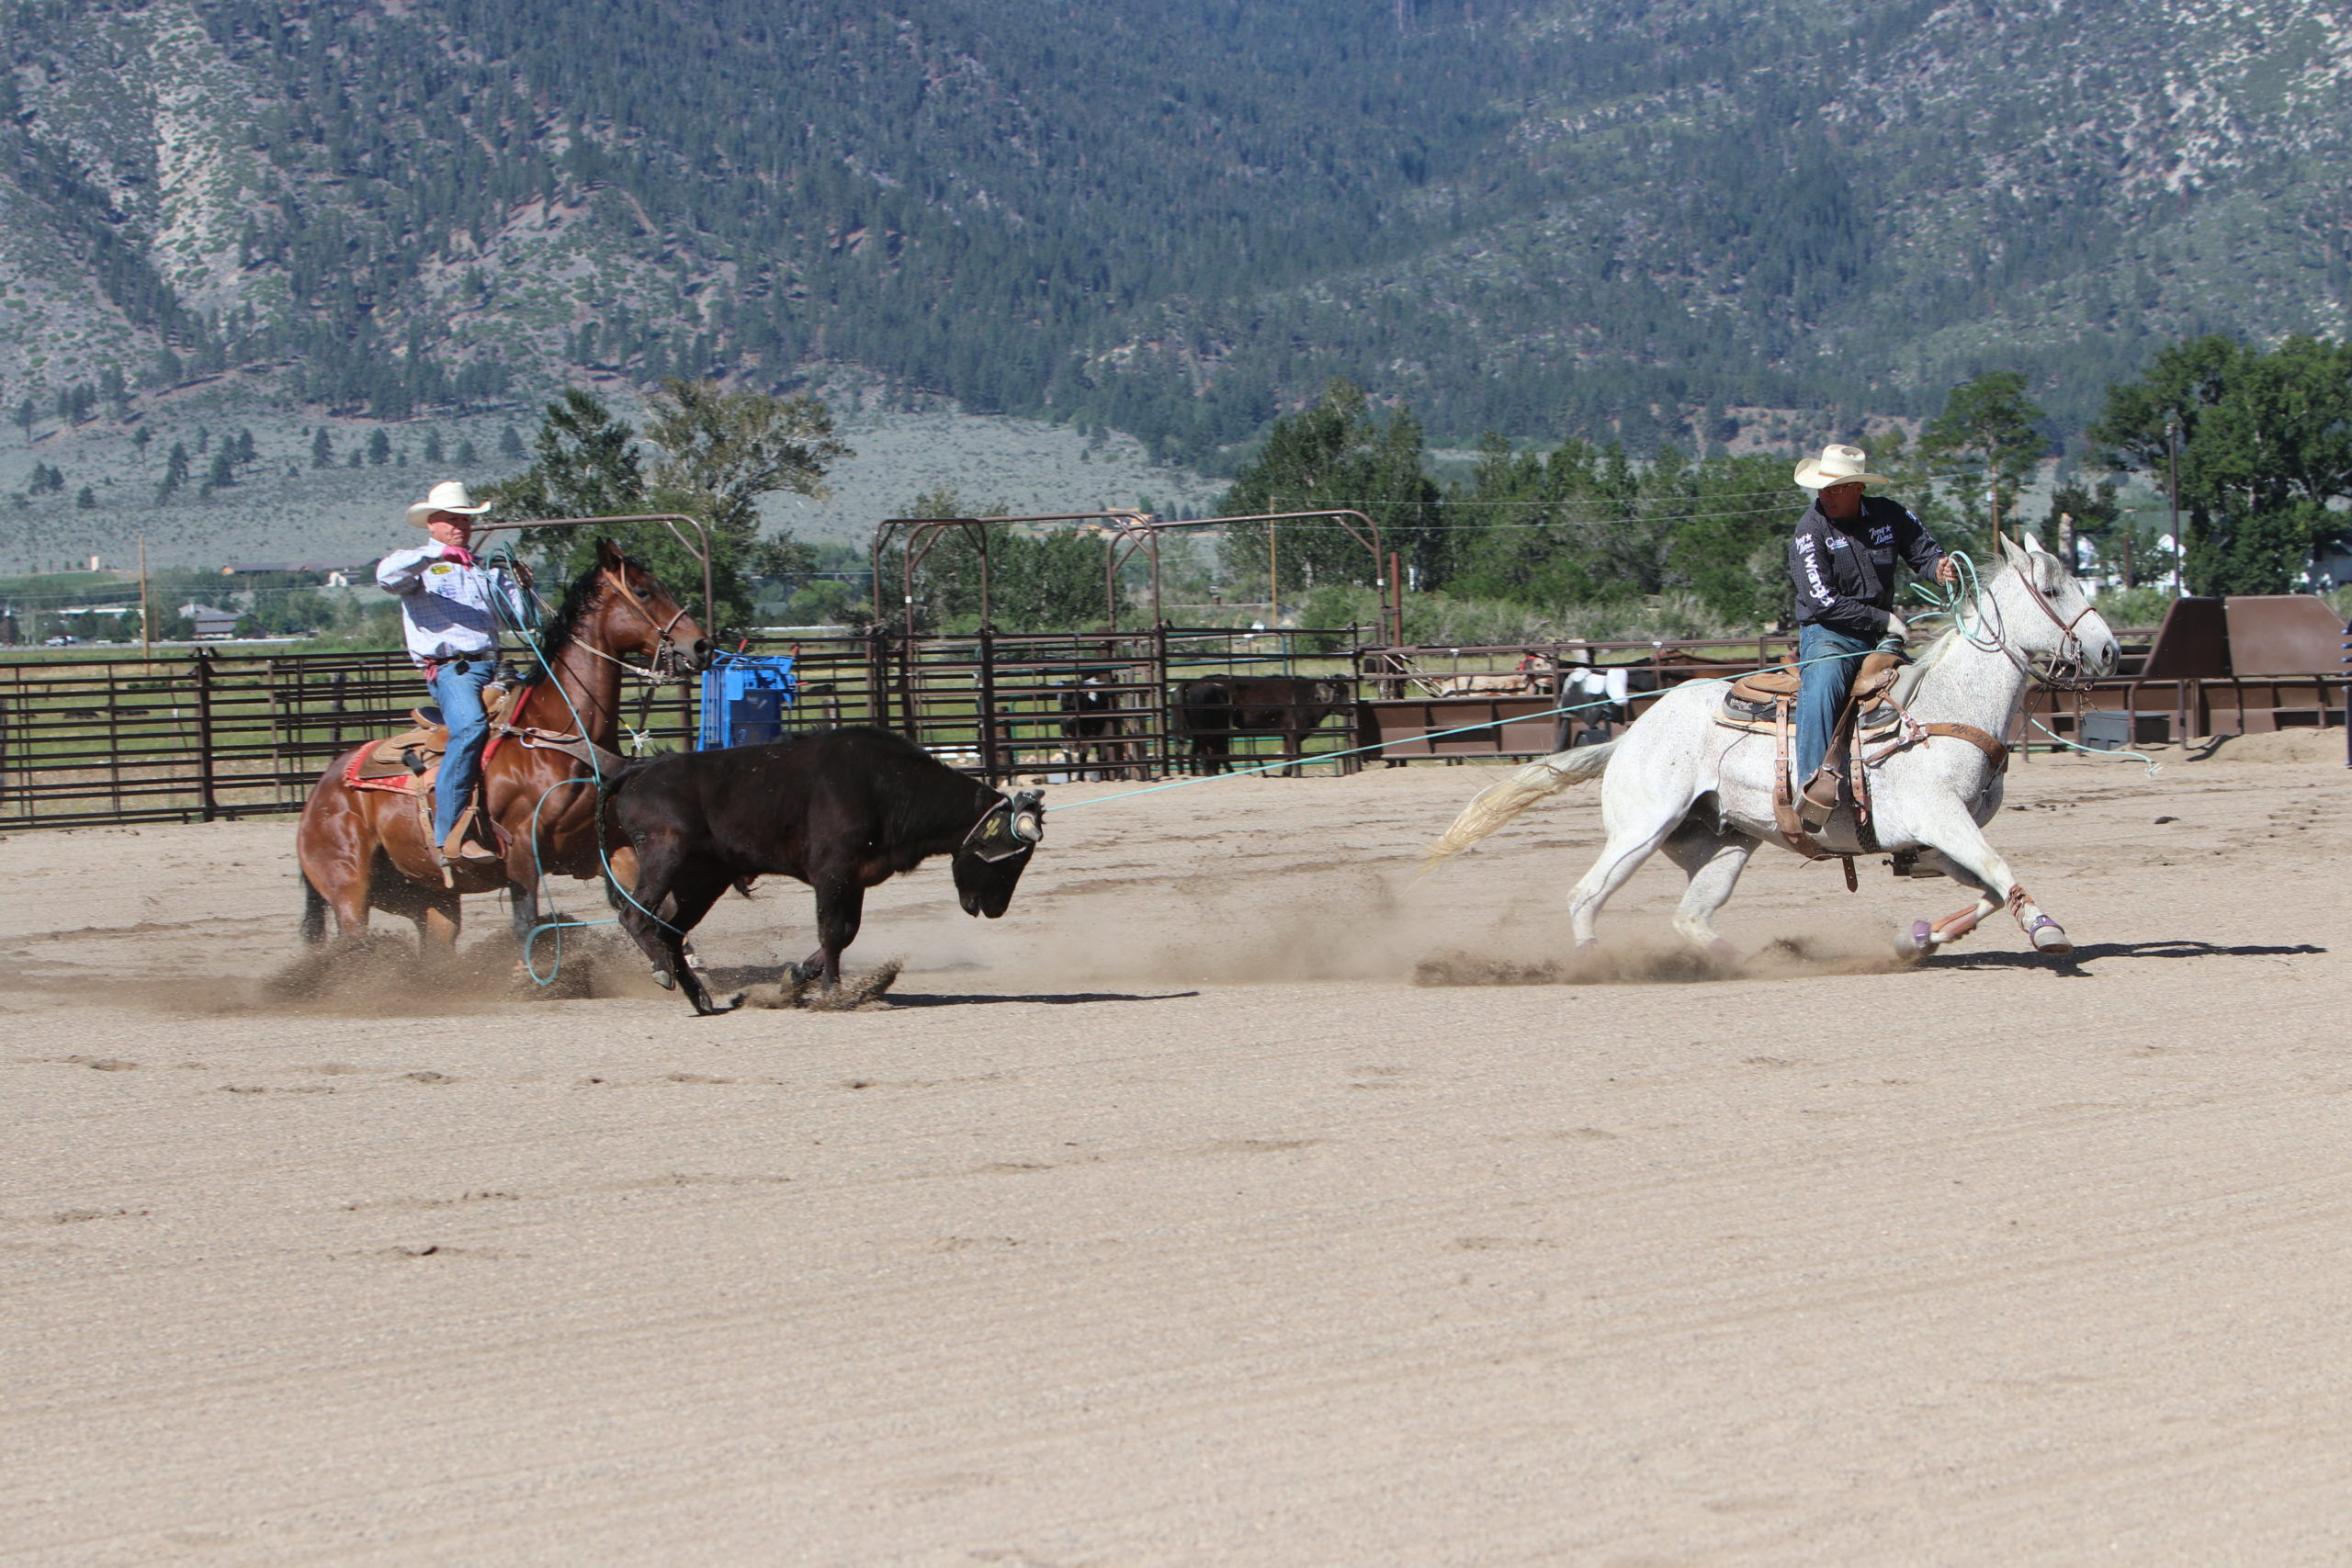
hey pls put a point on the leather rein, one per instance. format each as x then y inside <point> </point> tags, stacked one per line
<point>664,669</point>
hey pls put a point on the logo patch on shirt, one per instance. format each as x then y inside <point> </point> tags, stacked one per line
<point>441,570</point>
<point>1881,536</point>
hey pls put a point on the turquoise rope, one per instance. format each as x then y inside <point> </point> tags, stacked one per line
<point>1960,600</point>
<point>556,920</point>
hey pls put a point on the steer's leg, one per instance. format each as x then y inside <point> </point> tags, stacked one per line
<point>660,873</point>
<point>841,909</point>
<point>690,897</point>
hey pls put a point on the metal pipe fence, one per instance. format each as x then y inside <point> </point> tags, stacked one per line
<point>213,733</point>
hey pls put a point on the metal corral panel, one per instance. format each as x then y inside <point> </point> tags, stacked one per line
<point>2193,644</point>
<point>1410,728</point>
<point>2285,634</point>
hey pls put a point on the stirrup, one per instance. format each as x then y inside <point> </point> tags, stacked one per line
<point>1812,811</point>
<point>460,845</point>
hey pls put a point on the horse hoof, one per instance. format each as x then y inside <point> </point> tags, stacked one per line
<point>2051,937</point>
<point>663,978</point>
<point>1917,943</point>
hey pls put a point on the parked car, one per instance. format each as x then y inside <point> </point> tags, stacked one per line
<point>60,641</point>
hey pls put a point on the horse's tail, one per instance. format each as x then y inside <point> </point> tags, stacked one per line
<point>315,912</point>
<point>1495,807</point>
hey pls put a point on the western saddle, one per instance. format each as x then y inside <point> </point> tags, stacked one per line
<point>1872,728</point>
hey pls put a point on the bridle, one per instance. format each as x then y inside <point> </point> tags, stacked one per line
<point>666,667</point>
<point>2066,669</point>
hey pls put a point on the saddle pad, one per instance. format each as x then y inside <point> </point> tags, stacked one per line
<point>1761,717</point>
<point>369,770</point>
<point>1764,685</point>
<point>384,765</point>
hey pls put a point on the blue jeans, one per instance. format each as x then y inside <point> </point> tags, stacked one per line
<point>1823,696</point>
<point>460,694</point>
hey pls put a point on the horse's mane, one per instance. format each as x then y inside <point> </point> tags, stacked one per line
<point>1933,654</point>
<point>586,590</point>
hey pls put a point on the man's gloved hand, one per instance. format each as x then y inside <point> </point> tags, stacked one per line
<point>1897,636</point>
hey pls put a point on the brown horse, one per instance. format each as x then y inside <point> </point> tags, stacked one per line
<point>360,848</point>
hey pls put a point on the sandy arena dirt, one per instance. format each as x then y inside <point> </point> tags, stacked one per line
<point>1169,1221</point>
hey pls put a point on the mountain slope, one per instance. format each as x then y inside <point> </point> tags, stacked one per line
<point>1170,218</point>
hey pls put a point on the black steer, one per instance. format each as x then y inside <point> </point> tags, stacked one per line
<point>1210,712</point>
<point>842,810</point>
<point>1092,726</point>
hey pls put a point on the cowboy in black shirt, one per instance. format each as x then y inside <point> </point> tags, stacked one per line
<point>1842,559</point>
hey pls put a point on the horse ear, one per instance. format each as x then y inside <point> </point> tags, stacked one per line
<point>2015,557</point>
<point>608,553</point>
<point>2033,545</point>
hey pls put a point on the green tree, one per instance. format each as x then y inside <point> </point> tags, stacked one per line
<point>1984,445</point>
<point>586,465</point>
<point>725,450</point>
<point>730,449</point>
<point>1335,453</point>
<point>1583,526</point>
<point>2264,454</point>
<point>24,417</point>
<point>2084,514</point>
<point>176,468</point>
<point>380,448</point>
<point>322,449</point>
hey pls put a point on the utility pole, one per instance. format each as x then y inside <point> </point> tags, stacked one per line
<point>2172,495</point>
<point>1273,582</point>
<point>146,636</point>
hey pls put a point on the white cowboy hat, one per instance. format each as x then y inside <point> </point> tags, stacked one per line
<point>450,495</point>
<point>1836,466</point>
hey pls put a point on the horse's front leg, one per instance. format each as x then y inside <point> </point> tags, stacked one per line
<point>1960,844</point>
<point>522,909</point>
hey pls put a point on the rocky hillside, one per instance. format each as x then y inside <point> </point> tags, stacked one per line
<point>1168,219</point>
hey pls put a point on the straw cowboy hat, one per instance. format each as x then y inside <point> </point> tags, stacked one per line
<point>450,495</point>
<point>1836,466</point>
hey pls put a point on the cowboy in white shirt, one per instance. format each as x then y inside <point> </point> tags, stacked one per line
<point>451,608</point>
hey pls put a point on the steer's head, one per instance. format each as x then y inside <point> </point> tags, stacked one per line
<point>995,852</point>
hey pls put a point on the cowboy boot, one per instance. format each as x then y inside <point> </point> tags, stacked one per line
<point>1817,801</point>
<point>463,844</point>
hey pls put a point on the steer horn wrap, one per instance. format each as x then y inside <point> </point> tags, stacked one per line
<point>1010,828</point>
<point>1029,817</point>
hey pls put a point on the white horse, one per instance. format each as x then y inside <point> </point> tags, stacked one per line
<point>1704,792</point>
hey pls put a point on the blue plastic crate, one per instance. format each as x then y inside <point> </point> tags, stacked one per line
<point>744,699</point>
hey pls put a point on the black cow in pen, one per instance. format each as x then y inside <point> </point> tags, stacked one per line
<point>1093,729</point>
<point>842,810</point>
<point>1209,713</point>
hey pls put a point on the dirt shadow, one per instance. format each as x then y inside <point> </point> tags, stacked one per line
<point>2098,952</point>
<point>1049,998</point>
